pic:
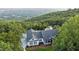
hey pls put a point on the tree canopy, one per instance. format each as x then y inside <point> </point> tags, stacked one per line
<point>68,39</point>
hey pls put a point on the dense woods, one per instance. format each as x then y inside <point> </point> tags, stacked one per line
<point>66,22</point>
<point>11,33</point>
<point>68,39</point>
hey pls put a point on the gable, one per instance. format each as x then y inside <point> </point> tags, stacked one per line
<point>37,34</point>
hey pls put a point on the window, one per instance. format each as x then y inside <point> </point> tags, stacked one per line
<point>46,41</point>
<point>35,42</point>
<point>31,43</point>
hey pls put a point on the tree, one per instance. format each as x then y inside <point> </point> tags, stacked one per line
<point>10,34</point>
<point>68,39</point>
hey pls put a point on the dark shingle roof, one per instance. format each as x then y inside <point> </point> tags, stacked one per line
<point>48,34</point>
<point>45,34</point>
<point>29,34</point>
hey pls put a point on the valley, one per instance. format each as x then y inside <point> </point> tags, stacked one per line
<point>65,21</point>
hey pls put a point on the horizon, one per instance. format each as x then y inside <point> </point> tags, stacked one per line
<point>26,12</point>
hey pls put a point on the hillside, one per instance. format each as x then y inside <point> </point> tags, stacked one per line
<point>56,18</point>
<point>67,13</point>
<point>66,21</point>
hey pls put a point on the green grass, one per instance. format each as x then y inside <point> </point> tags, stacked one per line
<point>48,48</point>
<point>44,49</point>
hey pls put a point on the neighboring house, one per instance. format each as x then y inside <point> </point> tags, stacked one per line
<point>35,37</point>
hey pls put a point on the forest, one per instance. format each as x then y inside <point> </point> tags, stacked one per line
<point>66,22</point>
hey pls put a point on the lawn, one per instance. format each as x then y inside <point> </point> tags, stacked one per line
<point>40,48</point>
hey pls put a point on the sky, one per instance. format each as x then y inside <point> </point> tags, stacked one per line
<point>39,4</point>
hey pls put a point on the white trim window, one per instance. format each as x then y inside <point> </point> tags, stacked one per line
<point>35,42</point>
<point>30,43</point>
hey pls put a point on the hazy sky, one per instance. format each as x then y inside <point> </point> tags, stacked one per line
<point>39,3</point>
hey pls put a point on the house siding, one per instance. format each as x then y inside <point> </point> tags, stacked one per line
<point>33,42</point>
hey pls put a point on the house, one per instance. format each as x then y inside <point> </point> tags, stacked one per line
<point>36,37</point>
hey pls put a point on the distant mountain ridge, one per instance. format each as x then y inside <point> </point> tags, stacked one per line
<point>18,13</point>
<point>60,14</point>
